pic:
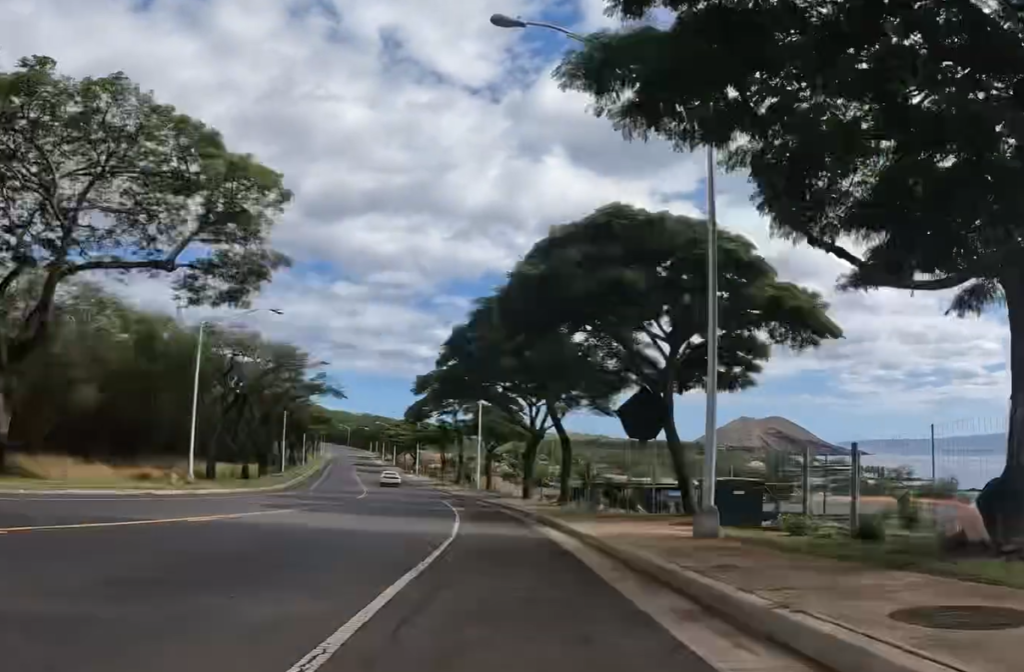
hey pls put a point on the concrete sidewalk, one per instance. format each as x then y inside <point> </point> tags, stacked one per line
<point>843,597</point>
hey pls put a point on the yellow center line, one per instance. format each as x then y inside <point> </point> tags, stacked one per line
<point>156,521</point>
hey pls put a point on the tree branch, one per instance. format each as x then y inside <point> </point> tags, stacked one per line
<point>866,275</point>
<point>833,249</point>
<point>9,279</point>
<point>655,340</point>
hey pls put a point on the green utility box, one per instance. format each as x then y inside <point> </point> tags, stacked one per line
<point>740,501</point>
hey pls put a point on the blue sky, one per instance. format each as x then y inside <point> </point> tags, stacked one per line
<point>428,150</point>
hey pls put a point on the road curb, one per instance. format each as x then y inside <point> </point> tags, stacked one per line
<point>170,493</point>
<point>834,645</point>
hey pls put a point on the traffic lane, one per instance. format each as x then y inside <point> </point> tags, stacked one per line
<point>336,479</point>
<point>252,594</point>
<point>503,597</point>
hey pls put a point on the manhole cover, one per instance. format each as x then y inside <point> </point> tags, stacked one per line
<point>961,617</point>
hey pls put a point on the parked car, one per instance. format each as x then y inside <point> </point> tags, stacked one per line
<point>390,478</point>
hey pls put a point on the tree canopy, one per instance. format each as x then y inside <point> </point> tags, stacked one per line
<point>96,175</point>
<point>632,285</point>
<point>886,133</point>
<point>534,384</point>
<point>115,382</point>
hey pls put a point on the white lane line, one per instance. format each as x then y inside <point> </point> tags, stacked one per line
<point>321,654</point>
<point>322,477</point>
<point>355,472</point>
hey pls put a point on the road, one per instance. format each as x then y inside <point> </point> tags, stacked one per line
<point>258,582</point>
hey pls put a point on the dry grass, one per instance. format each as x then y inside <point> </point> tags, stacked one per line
<point>917,552</point>
<point>50,471</point>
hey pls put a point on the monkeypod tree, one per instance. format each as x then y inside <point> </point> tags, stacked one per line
<point>632,285</point>
<point>897,125</point>
<point>96,176</point>
<point>533,383</point>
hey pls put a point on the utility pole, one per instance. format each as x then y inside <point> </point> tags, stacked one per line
<point>854,488</point>
<point>284,436</point>
<point>417,459</point>
<point>479,438</point>
<point>303,447</point>
<point>195,406</point>
<point>933,453</point>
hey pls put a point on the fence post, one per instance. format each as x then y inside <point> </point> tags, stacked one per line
<point>806,478</point>
<point>854,489</point>
<point>933,453</point>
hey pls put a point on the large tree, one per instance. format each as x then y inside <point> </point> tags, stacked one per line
<point>533,383</point>
<point>95,175</point>
<point>887,133</point>
<point>633,285</point>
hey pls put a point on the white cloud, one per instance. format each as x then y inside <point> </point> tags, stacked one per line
<point>427,147</point>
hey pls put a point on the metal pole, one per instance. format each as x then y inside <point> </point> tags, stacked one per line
<point>806,480</point>
<point>709,523</point>
<point>348,440</point>
<point>417,459</point>
<point>933,453</point>
<point>854,488</point>
<point>824,495</point>
<point>303,447</point>
<point>479,438</point>
<point>284,435</point>
<point>195,406</point>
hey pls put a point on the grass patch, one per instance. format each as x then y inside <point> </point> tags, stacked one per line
<point>228,477</point>
<point>910,552</point>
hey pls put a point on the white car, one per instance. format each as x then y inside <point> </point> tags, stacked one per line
<point>389,477</point>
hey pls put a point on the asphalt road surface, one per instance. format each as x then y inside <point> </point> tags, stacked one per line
<point>298,581</point>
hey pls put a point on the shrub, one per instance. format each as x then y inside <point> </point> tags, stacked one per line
<point>909,514</point>
<point>796,525</point>
<point>943,488</point>
<point>871,528</point>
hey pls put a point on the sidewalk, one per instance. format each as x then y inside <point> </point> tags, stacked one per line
<point>854,597</point>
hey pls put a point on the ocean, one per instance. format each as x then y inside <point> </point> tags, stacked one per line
<point>972,459</point>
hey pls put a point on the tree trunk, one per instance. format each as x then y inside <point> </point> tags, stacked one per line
<point>529,461</point>
<point>5,424</point>
<point>488,462</point>
<point>565,470</point>
<point>1001,503</point>
<point>675,449</point>
<point>444,462</point>
<point>460,461</point>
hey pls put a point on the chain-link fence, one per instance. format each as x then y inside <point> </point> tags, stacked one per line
<point>944,460</point>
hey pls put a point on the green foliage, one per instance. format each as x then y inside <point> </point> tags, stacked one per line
<point>908,512</point>
<point>530,384</point>
<point>115,382</point>
<point>796,525</point>
<point>871,528</point>
<point>630,285</point>
<point>942,488</point>
<point>95,175</point>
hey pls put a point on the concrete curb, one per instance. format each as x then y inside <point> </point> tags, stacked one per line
<point>835,646</point>
<point>171,493</point>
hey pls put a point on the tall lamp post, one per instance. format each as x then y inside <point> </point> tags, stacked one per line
<point>479,438</point>
<point>348,441</point>
<point>706,523</point>
<point>195,388</point>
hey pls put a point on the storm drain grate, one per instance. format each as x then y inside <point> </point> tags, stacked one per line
<point>961,617</point>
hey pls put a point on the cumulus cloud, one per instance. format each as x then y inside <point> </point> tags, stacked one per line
<point>428,149</point>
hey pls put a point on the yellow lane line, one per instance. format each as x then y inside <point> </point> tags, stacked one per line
<point>122,523</point>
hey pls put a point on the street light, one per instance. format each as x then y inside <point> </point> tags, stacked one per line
<point>348,441</point>
<point>504,21</point>
<point>195,388</point>
<point>706,522</point>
